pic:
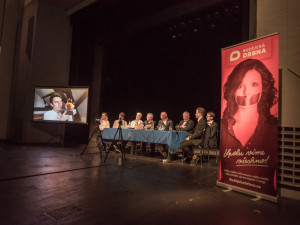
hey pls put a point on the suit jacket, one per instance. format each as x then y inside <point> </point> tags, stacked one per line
<point>210,138</point>
<point>162,126</point>
<point>189,125</point>
<point>198,130</point>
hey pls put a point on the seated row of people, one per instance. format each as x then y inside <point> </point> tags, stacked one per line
<point>164,124</point>
<point>203,134</point>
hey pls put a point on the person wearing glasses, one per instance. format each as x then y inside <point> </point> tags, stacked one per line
<point>210,134</point>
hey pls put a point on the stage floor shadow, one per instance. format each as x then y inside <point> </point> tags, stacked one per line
<point>46,185</point>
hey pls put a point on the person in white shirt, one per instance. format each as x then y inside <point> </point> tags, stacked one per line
<point>137,123</point>
<point>55,113</point>
<point>104,123</point>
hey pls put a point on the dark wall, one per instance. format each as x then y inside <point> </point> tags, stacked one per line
<point>173,66</point>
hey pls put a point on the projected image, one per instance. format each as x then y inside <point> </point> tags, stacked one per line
<point>61,104</point>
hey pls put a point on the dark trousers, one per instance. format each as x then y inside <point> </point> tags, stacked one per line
<point>187,147</point>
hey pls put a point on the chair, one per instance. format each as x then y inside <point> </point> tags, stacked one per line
<point>210,151</point>
<point>138,147</point>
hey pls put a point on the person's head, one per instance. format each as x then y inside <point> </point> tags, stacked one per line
<point>250,84</point>
<point>104,116</point>
<point>200,112</point>
<point>138,116</point>
<point>210,116</point>
<point>186,115</point>
<point>121,115</point>
<point>163,115</point>
<point>56,102</point>
<point>150,116</point>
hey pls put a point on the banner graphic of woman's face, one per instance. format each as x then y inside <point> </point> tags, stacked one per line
<point>250,89</point>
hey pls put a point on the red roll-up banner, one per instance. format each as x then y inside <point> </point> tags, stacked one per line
<point>249,123</point>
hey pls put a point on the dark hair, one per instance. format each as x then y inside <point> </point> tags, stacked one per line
<point>212,114</point>
<point>268,96</point>
<point>54,94</point>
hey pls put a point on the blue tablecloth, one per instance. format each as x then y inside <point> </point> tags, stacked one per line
<point>171,138</point>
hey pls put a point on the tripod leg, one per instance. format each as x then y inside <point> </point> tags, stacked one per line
<point>88,141</point>
<point>112,143</point>
<point>122,149</point>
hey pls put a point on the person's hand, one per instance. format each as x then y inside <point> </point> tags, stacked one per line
<point>187,138</point>
<point>182,126</point>
<point>63,116</point>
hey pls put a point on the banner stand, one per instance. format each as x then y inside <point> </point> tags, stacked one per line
<point>249,118</point>
<point>248,192</point>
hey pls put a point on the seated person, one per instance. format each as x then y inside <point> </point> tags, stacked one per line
<point>194,138</point>
<point>120,121</point>
<point>137,123</point>
<point>149,124</point>
<point>165,123</point>
<point>186,124</point>
<point>210,140</point>
<point>104,123</point>
<point>55,113</point>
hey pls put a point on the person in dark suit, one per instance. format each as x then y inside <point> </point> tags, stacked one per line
<point>210,140</point>
<point>165,123</point>
<point>194,138</point>
<point>186,124</point>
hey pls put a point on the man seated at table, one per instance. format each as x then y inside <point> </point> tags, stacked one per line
<point>194,138</point>
<point>137,123</point>
<point>149,124</point>
<point>164,124</point>
<point>120,121</point>
<point>210,140</point>
<point>186,124</point>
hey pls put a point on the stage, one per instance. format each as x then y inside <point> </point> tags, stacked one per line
<point>54,185</point>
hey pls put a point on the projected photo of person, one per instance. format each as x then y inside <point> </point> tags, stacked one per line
<point>61,104</point>
<point>250,94</point>
<point>56,113</point>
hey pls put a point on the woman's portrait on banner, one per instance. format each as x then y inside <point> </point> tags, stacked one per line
<point>250,94</point>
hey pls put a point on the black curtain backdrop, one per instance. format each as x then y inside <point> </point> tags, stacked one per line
<point>171,67</point>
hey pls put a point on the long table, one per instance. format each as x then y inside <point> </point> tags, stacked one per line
<point>171,138</point>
